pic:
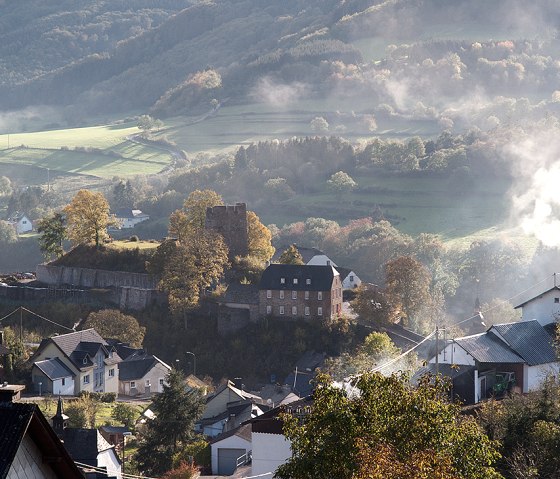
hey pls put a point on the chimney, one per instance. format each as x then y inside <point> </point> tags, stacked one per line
<point>10,392</point>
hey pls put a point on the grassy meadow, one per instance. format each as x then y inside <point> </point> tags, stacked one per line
<point>99,151</point>
<point>412,204</point>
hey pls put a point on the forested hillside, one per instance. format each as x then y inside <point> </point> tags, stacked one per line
<point>120,56</point>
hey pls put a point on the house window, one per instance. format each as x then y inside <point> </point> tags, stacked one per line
<point>86,379</point>
<point>294,310</point>
<point>111,372</point>
<point>308,281</point>
<point>268,293</point>
<point>64,381</point>
<point>281,294</point>
<point>282,280</point>
<point>328,263</point>
<point>294,294</point>
<point>319,295</point>
<point>85,360</point>
<point>307,310</point>
<point>132,384</point>
<point>307,295</point>
<point>148,384</point>
<point>161,381</point>
<point>351,277</point>
<point>269,309</point>
<point>557,300</point>
<point>281,309</point>
<point>320,311</point>
<point>295,280</point>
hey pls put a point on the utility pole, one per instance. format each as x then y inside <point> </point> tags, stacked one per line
<point>437,350</point>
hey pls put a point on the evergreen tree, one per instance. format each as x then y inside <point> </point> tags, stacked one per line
<point>176,411</point>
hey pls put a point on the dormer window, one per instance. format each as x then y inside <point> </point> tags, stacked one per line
<point>295,280</point>
<point>328,263</point>
<point>282,280</point>
<point>308,281</point>
<point>85,360</point>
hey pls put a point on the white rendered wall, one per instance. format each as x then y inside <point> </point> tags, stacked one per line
<point>108,459</point>
<point>232,442</point>
<point>321,260</point>
<point>66,390</point>
<point>269,452</point>
<point>537,374</point>
<point>543,308</point>
<point>454,354</point>
<point>28,463</point>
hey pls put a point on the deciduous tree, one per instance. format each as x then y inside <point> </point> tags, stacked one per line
<point>291,256</point>
<point>386,428</point>
<point>7,233</point>
<point>195,264</point>
<point>87,218</point>
<point>5,186</point>
<point>408,283</point>
<point>111,323</point>
<point>260,238</point>
<point>176,410</point>
<point>374,307</point>
<point>53,233</point>
<point>192,217</point>
<point>341,182</point>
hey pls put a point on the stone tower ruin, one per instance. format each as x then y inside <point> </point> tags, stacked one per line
<point>231,222</point>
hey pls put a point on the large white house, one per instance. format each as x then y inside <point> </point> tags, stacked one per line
<point>93,364</point>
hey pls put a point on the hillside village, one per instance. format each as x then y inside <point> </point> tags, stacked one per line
<point>240,425</point>
<point>252,239</point>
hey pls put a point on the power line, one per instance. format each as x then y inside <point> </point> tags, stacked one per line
<point>21,308</point>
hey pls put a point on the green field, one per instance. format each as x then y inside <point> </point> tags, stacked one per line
<point>232,126</point>
<point>103,151</point>
<point>414,205</point>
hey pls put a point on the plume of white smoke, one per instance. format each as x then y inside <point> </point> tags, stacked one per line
<point>278,95</point>
<point>536,203</point>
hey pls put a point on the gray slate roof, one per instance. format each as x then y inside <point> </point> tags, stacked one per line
<point>14,420</point>
<point>487,348</point>
<point>54,369</point>
<point>80,345</point>
<point>529,340</point>
<point>136,368</point>
<point>242,294</point>
<point>84,445</point>
<point>321,277</point>
<point>306,253</point>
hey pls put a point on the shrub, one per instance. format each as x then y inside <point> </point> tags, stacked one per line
<point>134,238</point>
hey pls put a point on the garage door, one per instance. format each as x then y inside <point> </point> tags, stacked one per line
<point>227,460</point>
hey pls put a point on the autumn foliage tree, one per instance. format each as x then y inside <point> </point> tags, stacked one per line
<point>387,428</point>
<point>260,238</point>
<point>112,323</point>
<point>87,218</point>
<point>192,217</point>
<point>291,256</point>
<point>191,266</point>
<point>407,282</point>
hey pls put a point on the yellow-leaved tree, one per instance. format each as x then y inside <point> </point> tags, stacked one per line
<point>260,238</point>
<point>87,218</point>
<point>192,217</point>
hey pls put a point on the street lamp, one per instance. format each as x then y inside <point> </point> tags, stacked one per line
<point>194,362</point>
<point>125,434</point>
